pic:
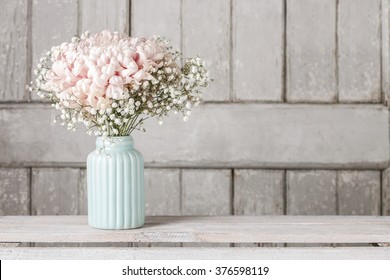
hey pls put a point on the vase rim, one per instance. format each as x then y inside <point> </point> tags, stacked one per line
<point>116,137</point>
<point>118,141</point>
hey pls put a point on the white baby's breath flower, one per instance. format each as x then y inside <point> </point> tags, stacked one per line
<point>94,79</point>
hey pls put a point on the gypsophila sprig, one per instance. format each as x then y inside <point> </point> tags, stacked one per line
<point>112,82</point>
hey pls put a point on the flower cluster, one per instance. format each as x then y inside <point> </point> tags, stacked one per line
<point>112,82</point>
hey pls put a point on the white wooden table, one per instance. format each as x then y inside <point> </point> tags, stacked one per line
<point>300,230</point>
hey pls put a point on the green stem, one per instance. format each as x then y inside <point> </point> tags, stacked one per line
<point>135,126</point>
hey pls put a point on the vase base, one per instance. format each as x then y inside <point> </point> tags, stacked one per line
<point>116,228</point>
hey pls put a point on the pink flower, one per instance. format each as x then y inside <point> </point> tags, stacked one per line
<point>111,82</point>
<point>95,69</point>
<point>115,88</point>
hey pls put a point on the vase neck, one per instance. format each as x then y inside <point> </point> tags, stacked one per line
<point>115,143</point>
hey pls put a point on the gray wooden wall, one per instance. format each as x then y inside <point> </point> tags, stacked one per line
<point>296,121</point>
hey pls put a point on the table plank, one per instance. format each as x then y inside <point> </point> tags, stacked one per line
<point>229,229</point>
<point>313,253</point>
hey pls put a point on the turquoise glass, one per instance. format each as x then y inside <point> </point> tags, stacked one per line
<point>115,184</point>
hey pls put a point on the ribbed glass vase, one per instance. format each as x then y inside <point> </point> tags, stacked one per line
<point>115,184</point>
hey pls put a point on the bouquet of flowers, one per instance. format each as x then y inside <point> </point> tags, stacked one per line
<point>112,82</point>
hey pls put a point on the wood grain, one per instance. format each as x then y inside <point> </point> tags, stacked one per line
<point>258,50</point>
<point>385,26</point>
<point>157,17</point>
<point>82,193</point>
<point>219,229</point>
<point>14,191</point>
<point>359,192</point>
<point>359,49</point>
<point>206,32</point>
<point>386,192</point>
<point>258,192</point>
<point>97,15</point>
<point>311,45</point>
<point>218,135</point>
<point>195,253</point>
<point>162,192</point>
<point>13,50</point>
<point>311,192</point>
<point>55,191</point>
<point>206,192</point>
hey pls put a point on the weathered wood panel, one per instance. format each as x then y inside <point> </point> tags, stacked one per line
<point>162,197</point>
<point>195,253</point>
<point>359,50</point>
<point>311,45</point>
<point>44,14</point>
<point>219,229</point>
<point>258,49</point>
<point>54,191</point>
<point>206,192</point>
<point>39,139</point>
<point>386,192</point>
<point>206,32</point>
<point>82,192</point>
<point>271,135</point>
<point>385,27</point>
<point>13,50</point>
<point>157,17</point>
<point>250,135</point>
<point>311,192</point>
<point>97,15</point>
<point>359,192</point>
<point>162,192</point>
<point>14,191</point>
<point>199,186</point>
<point>258,192</point>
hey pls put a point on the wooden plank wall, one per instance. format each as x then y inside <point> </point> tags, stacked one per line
<point>295,122</point>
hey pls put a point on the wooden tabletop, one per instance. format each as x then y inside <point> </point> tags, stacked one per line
<point>221,229</point>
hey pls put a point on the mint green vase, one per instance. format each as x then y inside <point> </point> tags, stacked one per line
<point>115,184</point>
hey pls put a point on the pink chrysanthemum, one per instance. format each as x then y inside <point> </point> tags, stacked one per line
<point>110,80</point>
